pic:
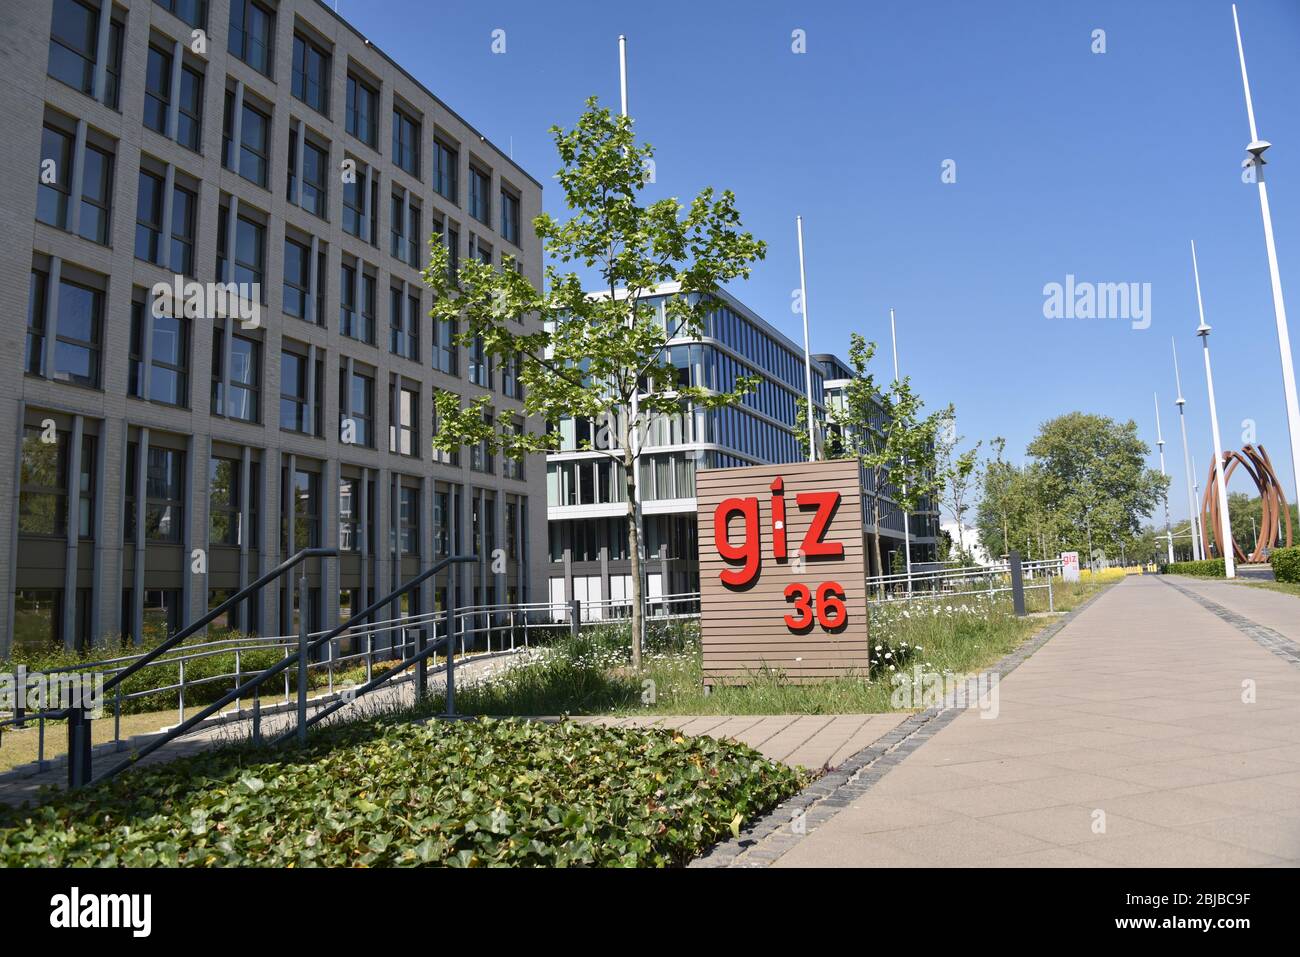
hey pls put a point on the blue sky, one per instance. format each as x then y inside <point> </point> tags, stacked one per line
<point>1068,162</point>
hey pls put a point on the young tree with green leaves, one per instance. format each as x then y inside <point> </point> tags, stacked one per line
<point>885,430</point>
<point>599,354</point>
<point>956,470</point>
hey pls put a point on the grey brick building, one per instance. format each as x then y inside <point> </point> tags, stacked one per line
<point>151,463</point>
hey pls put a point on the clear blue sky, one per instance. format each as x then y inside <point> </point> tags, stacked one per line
<point>1099,165</point>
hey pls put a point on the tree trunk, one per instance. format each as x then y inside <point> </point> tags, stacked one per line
<point>633,551</point>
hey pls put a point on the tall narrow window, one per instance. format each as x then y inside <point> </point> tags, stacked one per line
<point>294,410</point>
<point>445,160</point>
<point>244,400</point>
<point>510,216</point>
<point>148,217</point>
<point>311,73</point>
<point>297,277</point>
<point>480,198</point>
<point>189,121</point>
<point>43,484</point>
<point>362,111</point>
<point>252,27</point>
<point>157,88</point>
<point>52,196</point>
<point>74,40</point>
<point>96,195</point>
<point>169,359</point>
<point>406,142</point>
<point>315,163</point>
<point>184,204</point>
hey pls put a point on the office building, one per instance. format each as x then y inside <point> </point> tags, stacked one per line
<point>156,460</point>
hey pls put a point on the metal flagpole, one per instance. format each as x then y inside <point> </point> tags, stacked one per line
<point>807,354</point>
<point>1160,443</point>
<point>907,531</point>
<point>1223,532</point>
<point>1192,497</point>
<point>1256,148</point>
<point>634,429</point>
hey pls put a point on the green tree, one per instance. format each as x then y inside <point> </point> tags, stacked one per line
<point>598,357</point>
<point>885,430</point>
<point>956,470</point>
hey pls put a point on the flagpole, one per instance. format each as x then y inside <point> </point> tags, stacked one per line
<point>1256,148</point>
<point>1223,533</point>
<point>1160,443</point>
<point>1192,515</point>
<point>907,531</point>
<point>807,354</point>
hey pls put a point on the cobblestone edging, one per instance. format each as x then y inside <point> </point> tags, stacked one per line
<point>772,835</point>
<point>1266,637</point>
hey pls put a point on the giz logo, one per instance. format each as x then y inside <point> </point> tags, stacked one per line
<point>827,608</point>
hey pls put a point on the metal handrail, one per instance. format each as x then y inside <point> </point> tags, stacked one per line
<point>257,680</point>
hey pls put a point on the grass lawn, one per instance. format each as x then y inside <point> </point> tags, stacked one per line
<point>387,792</point>
<point>1287,588</point>
<point>591,674</point>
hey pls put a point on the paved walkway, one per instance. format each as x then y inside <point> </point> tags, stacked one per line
<point>814,741</point>
<point>1125,740</point>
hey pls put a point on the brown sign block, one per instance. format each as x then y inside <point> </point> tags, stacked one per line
<point>782,571</point>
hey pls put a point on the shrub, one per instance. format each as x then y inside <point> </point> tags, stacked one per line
<point>383,793</point>
<point>1286,564</point>
<point>1209,568</point>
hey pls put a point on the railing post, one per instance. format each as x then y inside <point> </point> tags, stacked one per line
<point>302,661</point>
<point>257,716</point>
<point>180,695</point>
<point>575,617</point>
<point>239,671</point>
<point>451,640</point>
<point>421,670</point>
<point>78,746</point>
<point>1017,585</point>
<point>20,692</point>
<point>1051,604</point>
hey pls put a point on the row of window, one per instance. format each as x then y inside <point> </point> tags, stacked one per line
<point>172,85</point>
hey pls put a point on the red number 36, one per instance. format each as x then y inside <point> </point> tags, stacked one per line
<point>830,610</point>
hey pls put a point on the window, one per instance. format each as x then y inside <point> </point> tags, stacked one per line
<point>513,468</point>
<point>189,121</point>
<point>356,319</point>
<point>305,507</point>
<point>445,160</point>
<point>74,45</point>
<point>96,193</point>
<point>297,278</point>
<point>404,323</point>
<point>226,501</point>
<point>406,142</point>
<point>444,348</point>
<point>446,458</point>
<point>405,230</point>
<point>480,364</point>
<point>403,433</point>
<point>362,111</point>
<point>349,520</point>
<point>250,250</point>
<point>480,455</point>
<point>363,406</point>
<point>480,184</point>
<point>315,162</point>
<point>408,519</point>
<point>511,385</point>
<point>245,377</point>
<point>164,509</point>
<point>311,74</point>
<point>157,88</point>
<point>184,204</point>
<point>359,200</point>
<point>442,523</point>
<point>254,141</point>
<point>52,197</point>
<point>168,360</point>
<point>295,409</point>
<point>38,618</point>
<point>193,12</point>
<point>148,217</point>
<point>80,321</point>
<point>252,27</point>
<point>453,253</point>
<point>510,216</point>
<point>43,487</point>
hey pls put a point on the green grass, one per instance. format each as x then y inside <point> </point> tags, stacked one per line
<point>384,792</point>
<point>591,674</point>
<point>1286,588</point>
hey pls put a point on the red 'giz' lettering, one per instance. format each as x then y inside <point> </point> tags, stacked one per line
<point>825,503</point>
<point>749,552</point>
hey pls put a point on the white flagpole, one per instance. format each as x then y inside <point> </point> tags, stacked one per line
<point>907,531</point>
<point>1192,498</point>
<point>807,354</point>
<point>1256,148</point>
<point>1224,532</point>
<point>1160,443</point>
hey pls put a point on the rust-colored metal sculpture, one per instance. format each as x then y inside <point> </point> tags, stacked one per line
<point>1272,501</point>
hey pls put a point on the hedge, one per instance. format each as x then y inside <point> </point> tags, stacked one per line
<point>1286,564</point>
<point>386,793</point>
<point>1209,568</point>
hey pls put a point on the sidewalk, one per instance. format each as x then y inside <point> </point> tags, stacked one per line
<point>1123,741</point>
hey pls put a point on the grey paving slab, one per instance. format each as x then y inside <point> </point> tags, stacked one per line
<point>1127,739</point>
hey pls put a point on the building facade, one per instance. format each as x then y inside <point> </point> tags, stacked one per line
<point>585,489</point>
<point>155,460</point>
